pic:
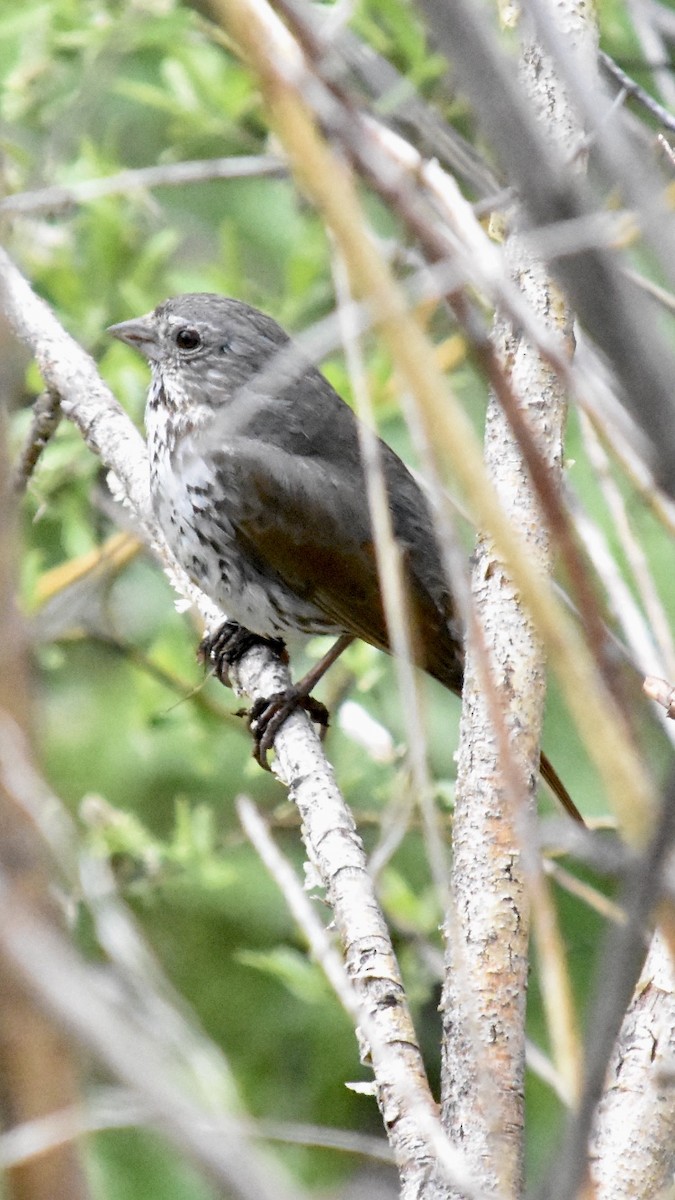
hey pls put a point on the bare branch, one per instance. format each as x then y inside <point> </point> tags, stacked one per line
<point>52,199</point>
<point>605,302</point>
<point>628,85</point>
<point>382,1049</point>
<point>632,1153</point>
<point>622,962</point>
<point>336,852</point>
<point>487,974</point>
<point>332,840</point>
<point>279,62</point>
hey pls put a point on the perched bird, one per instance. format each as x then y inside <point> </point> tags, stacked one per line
<point>258,485</point>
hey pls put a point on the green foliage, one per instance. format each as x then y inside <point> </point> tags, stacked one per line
<point>291,968</point>
<point>128,1163</point>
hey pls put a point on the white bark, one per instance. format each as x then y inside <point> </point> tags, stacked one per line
<point>488,924</point>
<point>632,1149</point>
<point>332,842</point>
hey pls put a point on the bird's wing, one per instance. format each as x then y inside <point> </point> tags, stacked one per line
<point>306,519</point>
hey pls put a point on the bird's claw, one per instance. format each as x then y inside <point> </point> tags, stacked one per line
<point>222,649</point>
<point>227,644</point>
<point>268,714</point>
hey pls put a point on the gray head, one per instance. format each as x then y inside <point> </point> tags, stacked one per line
<point>202,346</point>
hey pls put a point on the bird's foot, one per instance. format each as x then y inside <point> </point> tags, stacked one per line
<point>268,714</point>
<point>227,644</point>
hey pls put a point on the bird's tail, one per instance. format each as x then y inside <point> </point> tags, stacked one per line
<point>552,778</point>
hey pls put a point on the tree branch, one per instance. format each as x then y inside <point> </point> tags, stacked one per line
<point>489,920</point>
<point>618,1005</point>
<point>66,196</point>
<point>605,303</point>
<point>285,79</point>
<point>330,835</point>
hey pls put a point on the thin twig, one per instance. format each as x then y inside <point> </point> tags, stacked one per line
<point>181,688</point>
<point>644,653</point>
<point>277,58</point>
<point>65,196</point>
<point>120,1108</point>
<point>392,586</point>
<point>635,555</point>
<point>583,891</point>
<point>451,1161</point>
<point>620,437</point>
<point>629,85</point>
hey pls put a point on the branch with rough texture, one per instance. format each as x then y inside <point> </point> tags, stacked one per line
<point>451,1163</point>
<point>632,1153</point>
<point>336,852</point>
<point>486,986</point>
<point>330,835</point>
<point>617,1014</point>
<point>268,46</point>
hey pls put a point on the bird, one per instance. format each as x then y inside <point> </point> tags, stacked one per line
<point>258,485</point>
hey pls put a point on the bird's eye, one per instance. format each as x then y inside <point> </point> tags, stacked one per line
<point>188,339</point>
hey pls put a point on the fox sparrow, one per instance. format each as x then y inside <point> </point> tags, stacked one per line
<point>258,485</point>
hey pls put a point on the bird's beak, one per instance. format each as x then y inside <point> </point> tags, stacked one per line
<point>139,333</point>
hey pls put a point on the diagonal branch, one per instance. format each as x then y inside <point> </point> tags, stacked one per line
<point>332,841</point>
<point>605,302</point>
<point>59,196</point>
<point>284,78</point>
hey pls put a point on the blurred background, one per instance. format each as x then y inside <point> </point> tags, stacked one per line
<point>146,753</point>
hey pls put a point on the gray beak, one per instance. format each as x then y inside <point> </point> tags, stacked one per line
<point>139,333</point>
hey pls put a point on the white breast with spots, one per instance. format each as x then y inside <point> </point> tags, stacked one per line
<point>204,542</point>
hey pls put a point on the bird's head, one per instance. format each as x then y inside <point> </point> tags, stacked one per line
<point>203,347</point>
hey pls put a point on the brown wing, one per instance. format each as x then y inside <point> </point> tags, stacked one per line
<point>306,519</point>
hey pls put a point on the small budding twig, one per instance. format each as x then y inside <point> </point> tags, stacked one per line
<point>46,417</point>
